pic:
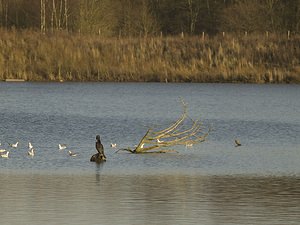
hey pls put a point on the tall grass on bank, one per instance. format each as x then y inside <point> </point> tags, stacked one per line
<point>253,58</point>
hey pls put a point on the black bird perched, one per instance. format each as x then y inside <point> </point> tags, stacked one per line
<point>100,155</point>
<point>99,145</point>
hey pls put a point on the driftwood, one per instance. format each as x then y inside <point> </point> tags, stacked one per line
<point>98,158</point>
<point>184,131</point>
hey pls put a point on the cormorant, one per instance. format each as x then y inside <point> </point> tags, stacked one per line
<point>100,155</point>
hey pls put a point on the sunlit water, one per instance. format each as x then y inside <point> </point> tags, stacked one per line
<point>210,183</point>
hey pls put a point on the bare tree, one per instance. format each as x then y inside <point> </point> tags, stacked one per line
<point>194,10</point>
<point>271,12</point>
<point>66,15</point>
<point>60,15</point>
<point>244,16</point>
<point>178,133</point>
<point>147,23</point>
<point>43,16</point>
<point>97,17</point>
<point>54,18</point>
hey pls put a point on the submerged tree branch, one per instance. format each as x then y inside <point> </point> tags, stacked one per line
<point>184,131</point>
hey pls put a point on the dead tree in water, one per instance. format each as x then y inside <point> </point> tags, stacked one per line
<point>184,131</point>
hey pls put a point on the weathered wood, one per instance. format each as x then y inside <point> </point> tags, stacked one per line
<point>98,158</point>
<point>178,133</point>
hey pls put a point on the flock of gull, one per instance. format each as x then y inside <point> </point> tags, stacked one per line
<point>31,151</point>
<point>4,153</point>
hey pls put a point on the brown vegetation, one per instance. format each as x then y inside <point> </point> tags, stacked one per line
<point>251,58</point>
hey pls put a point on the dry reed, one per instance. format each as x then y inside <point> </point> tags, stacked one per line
<point>253,58</point>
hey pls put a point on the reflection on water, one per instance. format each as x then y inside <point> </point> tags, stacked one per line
<point>134,199</point>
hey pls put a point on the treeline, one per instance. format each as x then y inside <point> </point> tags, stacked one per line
<point>130,18</point>
<point>250,58</point>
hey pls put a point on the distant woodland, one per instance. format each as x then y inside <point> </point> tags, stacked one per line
<point>254,41</point>
<point>151,17</point>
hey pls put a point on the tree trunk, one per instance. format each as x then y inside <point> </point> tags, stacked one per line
<point>66,15</point>
<point>43,16</point>
<point>53,16</point>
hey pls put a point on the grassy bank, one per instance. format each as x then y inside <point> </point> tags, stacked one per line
<point>32,56</point>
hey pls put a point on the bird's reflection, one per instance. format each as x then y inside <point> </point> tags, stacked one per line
<point>99,167</point>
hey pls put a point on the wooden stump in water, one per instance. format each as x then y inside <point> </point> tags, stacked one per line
<point>98,158</point>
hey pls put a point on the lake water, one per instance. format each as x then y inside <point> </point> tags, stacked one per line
<point>210,183</point>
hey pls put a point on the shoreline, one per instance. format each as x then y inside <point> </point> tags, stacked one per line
<point>147,82</point>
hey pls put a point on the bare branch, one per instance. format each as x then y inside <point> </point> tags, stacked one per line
<point>174,125</point>
<point>181,132</point>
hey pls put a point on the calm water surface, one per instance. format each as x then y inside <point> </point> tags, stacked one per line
<point>210,183</point>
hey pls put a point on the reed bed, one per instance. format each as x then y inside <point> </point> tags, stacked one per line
<point>255,58</point>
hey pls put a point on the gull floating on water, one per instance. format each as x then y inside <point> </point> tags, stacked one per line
<point>30,145</point>
<point>62,146</point>
<point>14,145</point>
<point>31,152</point>
<point>113,145</point>
<point>142,145</point>
<point>72,154</point>
<point>189,145</point>
<point>5,155</point>
<point>237,143</point>
<point>2,150</point>
<point>159,141</point>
